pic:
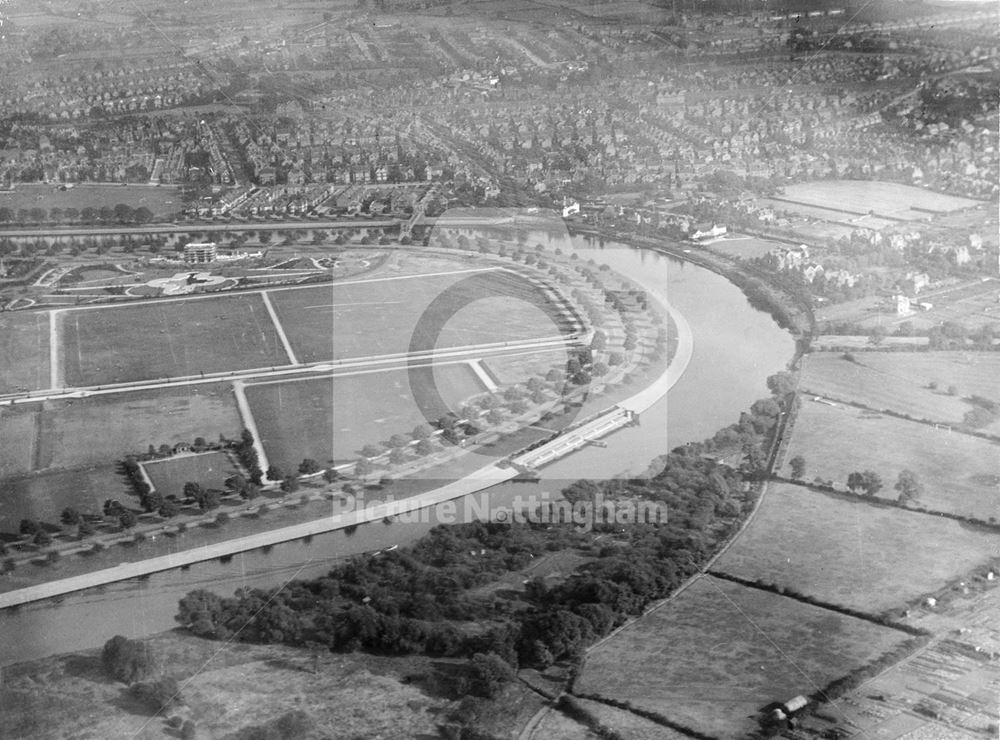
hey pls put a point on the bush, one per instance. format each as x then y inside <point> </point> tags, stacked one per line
<point>159,695</point>
<point>127,660</point>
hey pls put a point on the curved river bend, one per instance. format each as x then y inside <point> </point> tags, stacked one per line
<point>736,347</point>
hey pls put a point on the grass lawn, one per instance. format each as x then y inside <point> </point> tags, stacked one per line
<point>884,198</point>
<point>18,437</point>
<point>209,469</point>
<point>852,553</point>
<point>332,419</point>
<point>745,247</point>
<point>714,656</point>
<point>24,351</point>
<point>44,496</point>
<point>377,316</point>
<point>959,473</point>
<point>162,200</point>
<point>101,429</point>
<point>168,339</point>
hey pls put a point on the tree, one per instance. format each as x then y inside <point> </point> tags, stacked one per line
<point>209,500</point>
<point>867,481</point>
<point>397,456</point>
<point>275,473</point>
<point>112,507</point>
<point>193,490</point>
<point>421,431</point>
<point>30,527</point>
<point>363,466</point>
<point>85,529</point>
<point>70,516</point>
<point>152,501</point>
<point>330,475</point>
<point>159,695</point>
<point>490,673</point>
<point>169,508</point>
<point>398,440</point>
<point>781,384</point>
<point>855,482</point>
<point>798,465</point>
<point>371,451</point>
<point>908,486</point>
<point>127,519</point>
<point>308,466</point>
<point>127,660</point>
<point>290,484</point>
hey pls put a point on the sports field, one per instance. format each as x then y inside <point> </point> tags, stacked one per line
<point>901,382</point>
<point>960,473</point>
<point>711,658</point>
<point>100,429</point>
<point>24,351</point>
<point>332,419</point>
<point>884,198</point>
<point>378,316</point>
<point>44,496</point>
<point>161,200</point>
<point>170,475</point>
<point>852,553</point>
<point>167,339</point>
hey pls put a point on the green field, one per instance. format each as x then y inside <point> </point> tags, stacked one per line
<point>332,419</point>
<point>168,339</point>
<point>24,357</point>
<point>378,316</point>
<point>209,469</point>
<point>102,429</point>
<point>713,657</point>
<point>884,198</point>
<point>44,496</point>
<point>960,473</point>
<point>852,553</point>
<point>161,200</point>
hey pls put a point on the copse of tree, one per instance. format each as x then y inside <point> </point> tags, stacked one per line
<point>308,466</point>
<point>127,660</point>
<point>159,695</point>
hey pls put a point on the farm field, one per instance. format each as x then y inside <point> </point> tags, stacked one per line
<point>900,381</point>
<point>713,657</point>
<point>167,339</point>
<point>960,473</point>
<point>170,475</point>
<point>44,496</point>
<point>884,198</point>
<point>629,726</point>
<point>101,429</point>
<point>852,553</point>
<point>333,418</point>
<point>161,200</point>
<point>24,359</point>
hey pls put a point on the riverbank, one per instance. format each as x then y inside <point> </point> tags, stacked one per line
<point>477,480</point>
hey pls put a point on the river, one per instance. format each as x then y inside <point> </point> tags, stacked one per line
<point>736,347</point>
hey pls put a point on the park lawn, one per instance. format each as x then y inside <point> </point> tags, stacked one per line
<point>518,368</point>
<point>43,496</point>
<point>331,419</point>
<point>209,469</point>
<point>379,316</point>
<point>167,339</point>
<point>959,473</point>
<point>715,655</point>
<point>24,357</point>
<point>18,437</point>
<point>162,201</point>
<point>900,381</point>
<point>852,553</point>
<point>744,247</point>
<point>99,429</point>
<point>883,198</point>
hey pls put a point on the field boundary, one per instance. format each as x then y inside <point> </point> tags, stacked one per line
<point>790,593</point>
<point>906,417</point>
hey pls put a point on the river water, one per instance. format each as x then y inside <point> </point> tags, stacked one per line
<point>735,348</point>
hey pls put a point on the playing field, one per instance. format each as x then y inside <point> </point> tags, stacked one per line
<point>24,351</point>
<point>332,419</point>
<point>713,657</point>
<point>960,473</point>
<point>43,497</point>
<point>209,469</point>
<point>103,429</point>
<point>884,198</point>
<point>852,553</point>
<point>901,382</point>
<point>378,316</point>
<point>161,200</point>
<point>168,339</point>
